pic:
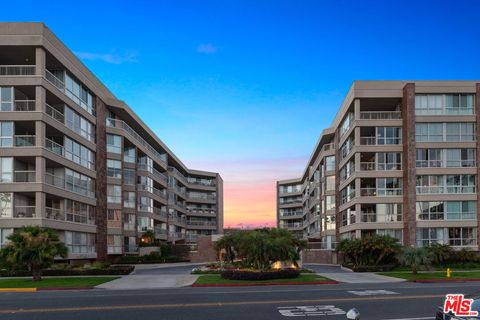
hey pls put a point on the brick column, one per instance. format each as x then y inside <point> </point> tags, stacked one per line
<point>338,217</point>
<point>408,165</point>
<point>101,181</point>
<point>477,113</point>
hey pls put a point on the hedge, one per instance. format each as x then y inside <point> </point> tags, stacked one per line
<point>112,271</point>
<point>259,275</point>
<point>146,260</point>
<point>376,268</point>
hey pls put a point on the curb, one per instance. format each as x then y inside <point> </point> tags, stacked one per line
<point>444,280</point>
<point>18,289</point>
<point>64,288</point>
<point>262,284</point>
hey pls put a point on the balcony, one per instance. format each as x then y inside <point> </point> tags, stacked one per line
<point>114,123</point>
<point>54,214</point>
<point>24,212</point>
<point>17,70</point>
<point>161,193</point>
<point>59,182</point>
<point>160,233</point>
<point>162,212</point>
<point>293,225</point>
<point>328,146</point>
<point>212,224</point>
<point>292,214</point>
<point>174,236</point>
<point>23,141</point>
<point>374,192</point>
<point>24,176</point>
<point>380,115</point>
<point>18,106</point>
<point>372,217</point>
<point>201,182</point>
<point>130,248</point>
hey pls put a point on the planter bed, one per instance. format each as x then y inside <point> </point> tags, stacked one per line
<point>217,281</point>
<point>114,270</point>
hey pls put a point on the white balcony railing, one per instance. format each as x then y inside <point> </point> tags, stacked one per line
<point>380,115</point>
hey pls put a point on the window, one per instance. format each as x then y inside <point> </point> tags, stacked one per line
<point>129,199</point>
<point>114,144</point>
<point>428,236</point>
<point>79,183</point>
<point>145,204</point>
<point>389,161</point>
<point>461,210</point>
<point>114,194</point>
<point>4,234</point>
<point>114,244</point>
<point>79,124</point>
<point>348,193</point>
<point>460,158</point>
<point>6,170</point>
<point>346,147</point>
<point>6,205</point>
<point>389,186</point>
<point>429,132</point>
<point>433,210</point>
<point>114,218</point>
<point>329,202</point>
<point>457,131</point>
<point>461,183</point>
<point>145,163</point>
<point>114,168</point>
<point>346,123</point>
<point>79,212</point>
<point>129,155</point>
<point>79,154</point>
<point>330,222</point>
<point>79,242</point>
<point>389,135</point>
<point>347,170</point>
<point>330,183</point>
<point>454,131</point>
<point>444,104</point>
<point>144,224</point>
<point>145,183</point>
<point>6,134</point>
<point>6,98</point>
<point>389,212</point>
<point>79,94</point>
<point>462,237</point>
<point>129,177</point>
<point>330,163</point>
<point>393,233</point>
<point>129,222</point>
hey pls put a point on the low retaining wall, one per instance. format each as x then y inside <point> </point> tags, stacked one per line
<point>320,256</point>
<point>205,250</point>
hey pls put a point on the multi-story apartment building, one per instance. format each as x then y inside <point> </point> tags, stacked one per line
<point>75,158</point>
<point>400,159</point>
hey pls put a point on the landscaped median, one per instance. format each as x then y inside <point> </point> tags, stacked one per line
<point>215,280</point>
<point>435,276</point>
<point>54,283</point>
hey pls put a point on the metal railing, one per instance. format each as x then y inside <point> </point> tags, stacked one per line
<point>59,182</point>
<point>294,225</point>
<point>380,115</point>
<point>328,146</point>
<point>201,211</point>
<point>54,113</point>
<point>371,217</point>
<point>197,196</point>
<point>19,106</point>
<point>54,214</point>
<point>443,164</point>
<point>444,111</point>
<point>201,182</point>
<point>202,223</point>
<point>24,140</point>
<point>24,212</point>
<point>54,147</point>
<point>374,192</point>
<point>122,125</point>
<point>54,80</point>
<point>373,141</point>
<point>17,70</point>
<point>291,214</point>
<point>445,189</point>
<point>24,176</point>
<point>162,212</point>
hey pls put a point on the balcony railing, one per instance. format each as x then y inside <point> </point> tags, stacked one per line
<point>54,113</point>
<point>131,248</point>
<point>59,182</point>
<point>202,223</point>
<point>24,140</point>
<point>328,146</point>
<point>371,166</point>
<point>24,176</point>
<point>380,115</point>
<point>176,235</point>
<point>445,189</point>
<point>122,125</point>
<point>443,164</point>
<point>160,211</point>
<point>444,111</point>
<point>374,141</point>
<point>24,212</point>
<point>200,182</point>
<point>195,211</point>
<point>374,192</point>
<point>201,196</point>
<point>17,70</point>
<point>372,217</point>
<point>367,166</point>
<point>54,214</point>
<point>18,106</point>
<point>291,214</point>
<point>294,225</point>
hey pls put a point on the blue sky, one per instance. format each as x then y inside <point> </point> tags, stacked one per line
<point>245,87</point>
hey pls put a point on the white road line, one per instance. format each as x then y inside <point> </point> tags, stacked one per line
<point>424,318</point>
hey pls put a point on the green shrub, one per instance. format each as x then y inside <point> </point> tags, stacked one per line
<point>440,253</point>
<point>370,250</point>
<point>259,275</point>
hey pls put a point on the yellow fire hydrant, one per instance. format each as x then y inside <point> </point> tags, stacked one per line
<point>449,273</point>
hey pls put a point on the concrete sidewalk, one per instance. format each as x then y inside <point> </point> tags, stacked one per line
<point>359,277</point>
<point>149,282</point>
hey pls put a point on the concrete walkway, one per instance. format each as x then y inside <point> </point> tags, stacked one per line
<point>155,276</point>
<point>340,274</point>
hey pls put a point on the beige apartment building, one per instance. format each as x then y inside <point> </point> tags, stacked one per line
<point>400,159</point>
<point>75,158</point>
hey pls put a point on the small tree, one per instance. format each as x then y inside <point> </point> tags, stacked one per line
<point>415,258</point>
<point>33,247</point>
<point>440,253</point>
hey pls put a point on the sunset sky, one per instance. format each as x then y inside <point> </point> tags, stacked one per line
<point>244,88</point>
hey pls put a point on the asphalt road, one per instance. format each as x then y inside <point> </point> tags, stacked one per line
<point>402,301</point>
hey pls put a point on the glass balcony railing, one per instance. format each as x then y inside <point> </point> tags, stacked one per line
<point>17,70</point>
<point>202,223</point>
<point>122,125</point>
<point>23,140</point>
<point>59,182</point>
<point>24,176</point>
<point>374,192</point>
<point>380,115</point>
<point>24,212</point>
<point>18,106</point>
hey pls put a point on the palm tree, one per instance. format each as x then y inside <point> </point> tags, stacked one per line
<point>33,247</point>
<point>415,257</point>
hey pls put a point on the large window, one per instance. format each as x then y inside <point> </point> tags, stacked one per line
<point>6,98</point>
<point>79,183</point>
<point>144,224</point>
<point>389,187</point>
<point>114,144</point>
<point>114,168</point>
<point>451,131</point>
<point>330,183</point>
<point>329,202</point>
<point>4,233</point>
<point>129,155</point>
<point>79,154</point>
<point>444,104</point>
<point>389,161</point>
<point>79,212</point>
<point>330,163</point>
<point>129,199</point>
<point>79,242</point>
<point>79,124</point>
<point>456,236</point>
<point>114,218</point>
<point>129,177</point>
<point>389,135</point>
<point>6,200</point>
<point>129,222</point>
<point>445,184</point>
<point>114,194</point>
<point>6,169</point>
<point>79,93</point>
<point>145,204</point>
<point>6,134</point>
<point>462,236</point>
<point>346,123</point>
<point>114,244</point>
<point>284,189</point>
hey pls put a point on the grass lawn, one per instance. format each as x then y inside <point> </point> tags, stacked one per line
<point>433,275</point>
<point>70,282</point>
<point>216,279</point>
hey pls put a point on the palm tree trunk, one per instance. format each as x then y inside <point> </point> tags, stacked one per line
<point>36,273</point>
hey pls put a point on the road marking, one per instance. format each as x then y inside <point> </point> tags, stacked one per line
<point>424,318</point>
<point>308,311</point>
<point>214,304</point>
<point>372,292</point>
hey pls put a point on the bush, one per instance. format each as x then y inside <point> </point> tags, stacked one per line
<point>112,271</point>
<point>259,275</point>
<point>375,268</point>
<point>153,257</point>
<point>370,250</point>
<point>440,253</point>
